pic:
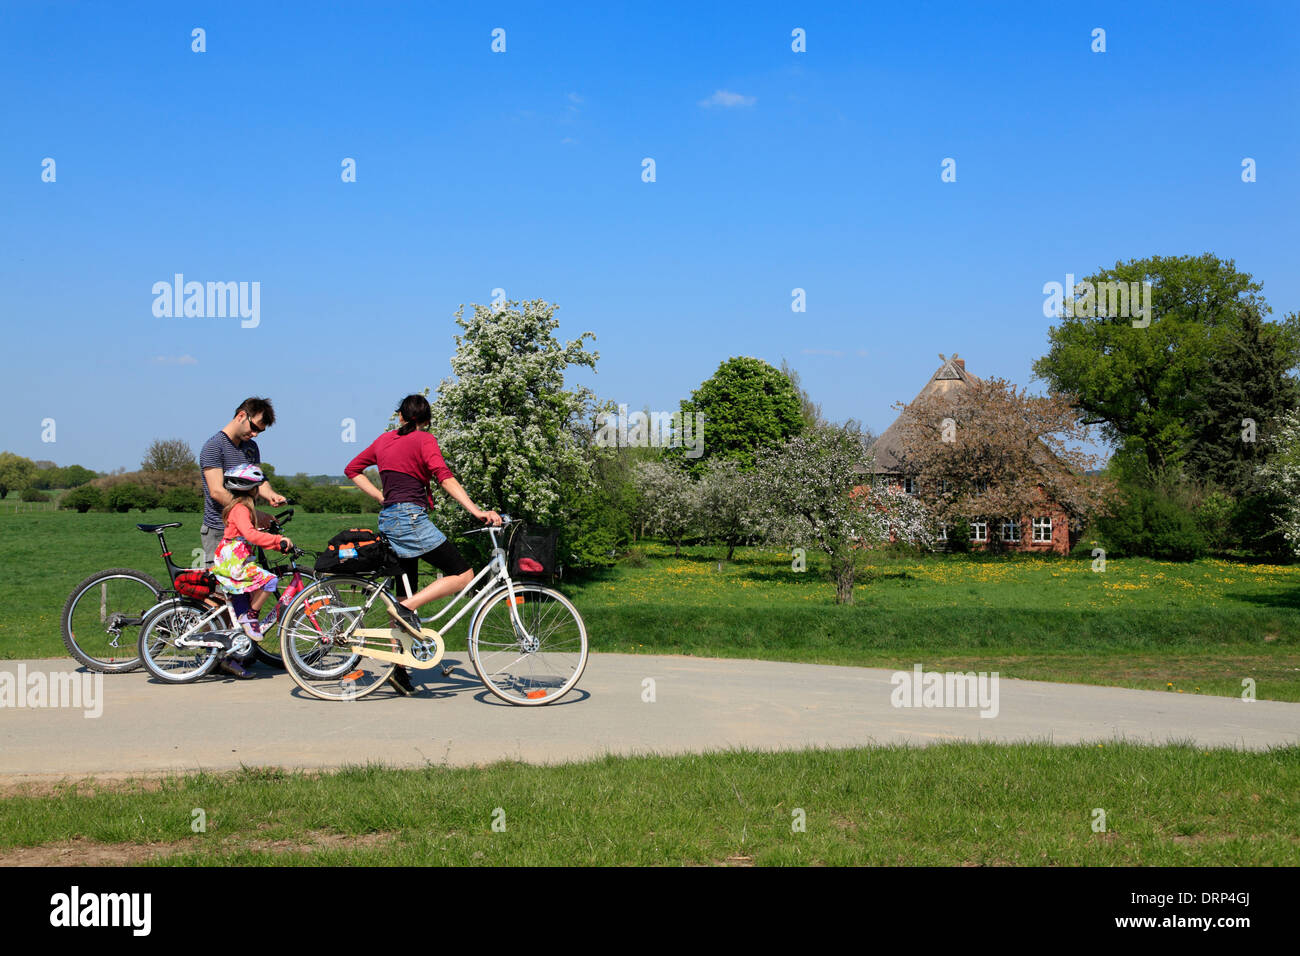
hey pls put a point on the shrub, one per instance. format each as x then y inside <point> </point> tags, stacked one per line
<point>1214,520</point>
<point>33,494</point>
<point>82,499</point>
<point>959,533</point>
<point>181,499</point>
<point>1152,523</point>
<point>123,498</point>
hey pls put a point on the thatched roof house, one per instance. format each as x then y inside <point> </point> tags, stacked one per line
<point>950,375</point>
<point>1047,531</point>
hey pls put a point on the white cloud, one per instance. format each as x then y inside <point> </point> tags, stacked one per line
<point>728,99</point>
<point>175,360</point>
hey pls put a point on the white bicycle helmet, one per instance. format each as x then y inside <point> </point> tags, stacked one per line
<point>243,478</point>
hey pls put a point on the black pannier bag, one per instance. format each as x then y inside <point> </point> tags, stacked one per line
<point>532,552</point>
<point>357,551</point>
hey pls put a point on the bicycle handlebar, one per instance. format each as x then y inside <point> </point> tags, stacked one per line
<point>505,521</point>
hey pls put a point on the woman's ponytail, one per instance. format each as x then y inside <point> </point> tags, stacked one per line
<point>415,409</point>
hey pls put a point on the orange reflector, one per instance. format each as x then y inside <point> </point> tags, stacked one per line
<point>535,694</point>
<point>519,599</point>
<point>315,606</point>
<point>353,676</point>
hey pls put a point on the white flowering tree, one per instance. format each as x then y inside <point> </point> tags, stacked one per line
<point>817,487</point>
<point>1281,474</point>
<point>727,511</point>
<point>510,431</point>
<point>670,500</point>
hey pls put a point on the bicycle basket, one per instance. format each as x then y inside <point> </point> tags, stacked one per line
<point>357,551</point>
<point>532,552</point>
<point>195,584</point>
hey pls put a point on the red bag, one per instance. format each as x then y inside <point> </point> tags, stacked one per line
<point>195,584</point>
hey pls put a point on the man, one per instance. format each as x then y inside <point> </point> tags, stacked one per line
<point>232,446</point>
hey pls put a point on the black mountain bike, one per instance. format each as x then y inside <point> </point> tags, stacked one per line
<point>101,618</point>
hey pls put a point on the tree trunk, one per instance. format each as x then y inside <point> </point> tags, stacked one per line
<point>842,568</point>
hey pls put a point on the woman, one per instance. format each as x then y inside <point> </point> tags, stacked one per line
<point>408,459</point>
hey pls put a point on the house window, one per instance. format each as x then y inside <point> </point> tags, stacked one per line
<point>979,531</point>
<point>1042,529</point>
<point>1010,531</point>
<point>945,485</point>
<point>909,485</point>
<point>943,532</point>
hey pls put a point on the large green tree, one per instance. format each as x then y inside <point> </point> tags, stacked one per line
<point>16,472</point>
<point>1147,384</point>
<point>1248,386</point>
<point>746,405</point>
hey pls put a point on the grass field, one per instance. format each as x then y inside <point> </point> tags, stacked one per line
<point>948,805</point>
<point>1199,627</point>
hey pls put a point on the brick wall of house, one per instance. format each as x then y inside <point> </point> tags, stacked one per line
<point>1060,543</point>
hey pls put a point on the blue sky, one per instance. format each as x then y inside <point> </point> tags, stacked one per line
<point>522,170</point>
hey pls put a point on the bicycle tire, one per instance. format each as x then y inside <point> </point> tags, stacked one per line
<point>163,624</point>
<point>268,651</point>
<point>320,668</point>
<point>556,662</point>
<point>78,627</point>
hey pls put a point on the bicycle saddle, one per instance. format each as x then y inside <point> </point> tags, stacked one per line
<point>158,527</point>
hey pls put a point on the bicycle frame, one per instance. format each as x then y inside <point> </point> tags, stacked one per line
<point>498,577</point>
<point>496,564</point>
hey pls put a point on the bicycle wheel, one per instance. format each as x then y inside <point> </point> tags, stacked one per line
<point>159,633</point>
<point>101,618</point>
<point>268,651</point>
<point>316,643</point>
<point>539,664</point>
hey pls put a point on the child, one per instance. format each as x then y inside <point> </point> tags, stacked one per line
<point>246,584</point>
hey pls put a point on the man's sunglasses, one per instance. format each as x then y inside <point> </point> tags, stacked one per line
<point>257,429</point>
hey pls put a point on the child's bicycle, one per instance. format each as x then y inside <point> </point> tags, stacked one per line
<point>102,616</point>
<point>183,637</point>
<point>528,644</point>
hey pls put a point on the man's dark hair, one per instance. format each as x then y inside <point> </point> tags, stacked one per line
<point>415,409</point>
<point>252,406</point>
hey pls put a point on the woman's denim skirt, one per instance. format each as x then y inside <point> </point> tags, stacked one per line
<point>409,530</point>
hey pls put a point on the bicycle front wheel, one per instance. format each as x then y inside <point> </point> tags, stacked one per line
<point>317,643</point>
<point>163,627</point>
<point>537,663</point>
<point>102,617</point>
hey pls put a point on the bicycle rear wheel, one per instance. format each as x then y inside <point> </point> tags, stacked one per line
<point>316,640</point>
<point>268,651</point>
<point>102,617</point>
<point>161,655</point>
<point>539,664</point>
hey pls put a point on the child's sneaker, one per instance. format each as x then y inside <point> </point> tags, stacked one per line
<point>252,627</point>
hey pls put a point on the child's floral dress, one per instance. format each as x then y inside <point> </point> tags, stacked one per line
<point>235,565</point>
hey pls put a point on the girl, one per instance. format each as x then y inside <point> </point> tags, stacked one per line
<point>407,460</point>
<point>235,566</point>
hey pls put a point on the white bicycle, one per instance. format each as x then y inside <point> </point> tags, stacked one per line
<point>527,641</point>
